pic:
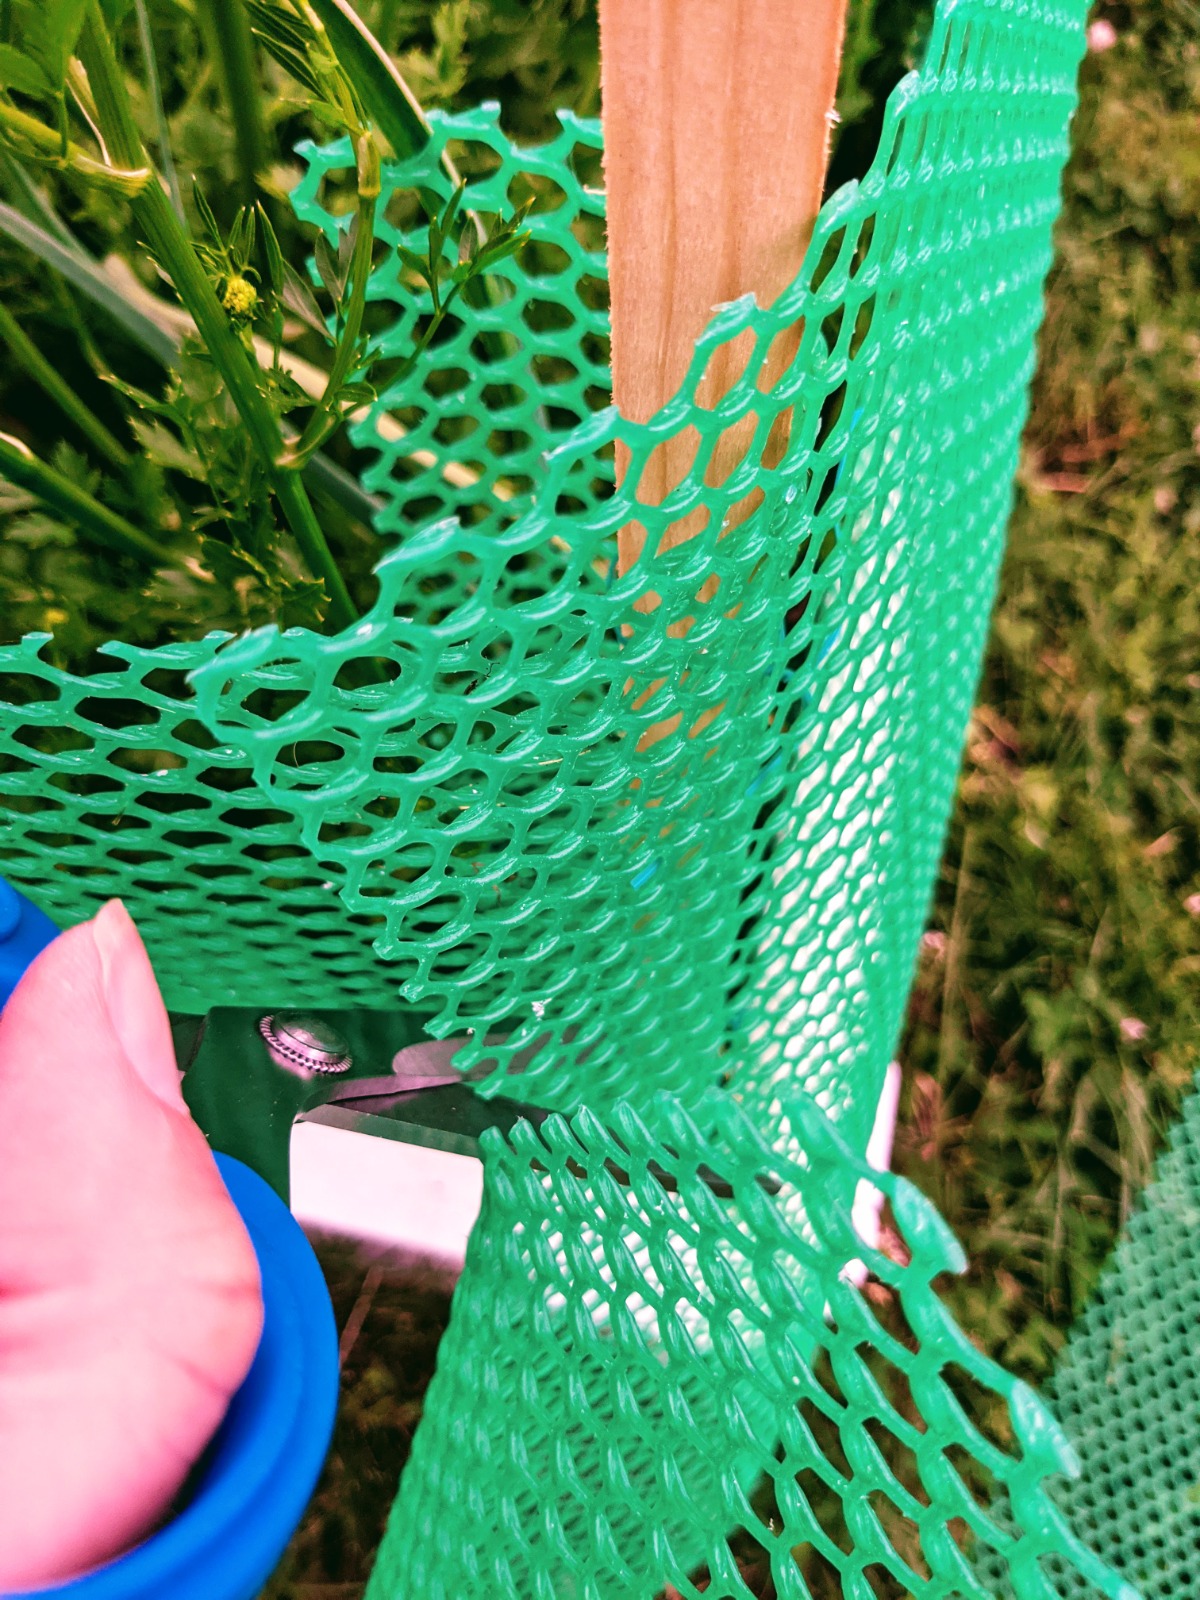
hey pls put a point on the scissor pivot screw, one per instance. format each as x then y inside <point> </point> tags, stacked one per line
<point>297,1039</point>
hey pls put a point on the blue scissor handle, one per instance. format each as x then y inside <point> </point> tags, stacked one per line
<point>267,1455</point>
<point>24,933</point>
<point>263,1464</point>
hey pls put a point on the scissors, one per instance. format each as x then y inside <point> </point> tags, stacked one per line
<point>248,1075</point>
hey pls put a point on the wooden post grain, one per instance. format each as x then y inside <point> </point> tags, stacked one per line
<point>717,117</point>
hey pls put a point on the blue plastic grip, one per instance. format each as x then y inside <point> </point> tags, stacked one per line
<point>24,933</point>
<point>267,1455</point>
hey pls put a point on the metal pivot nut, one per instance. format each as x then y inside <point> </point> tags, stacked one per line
<point>297,1040</point>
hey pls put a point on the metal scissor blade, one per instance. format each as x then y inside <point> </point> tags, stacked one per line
<point>397,1083</point>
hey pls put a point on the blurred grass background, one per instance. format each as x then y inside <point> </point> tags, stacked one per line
<point>1053,1025</point>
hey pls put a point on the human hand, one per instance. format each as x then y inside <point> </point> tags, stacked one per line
<point>130,1307</point>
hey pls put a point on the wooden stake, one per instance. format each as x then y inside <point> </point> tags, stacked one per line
<point>717,116</point>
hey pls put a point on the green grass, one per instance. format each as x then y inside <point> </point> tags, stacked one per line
<point>1054,1026</point>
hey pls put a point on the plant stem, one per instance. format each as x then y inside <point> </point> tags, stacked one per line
<point>48,142</point>
<point>385,97</point>
<point>324,420</point>
<point>397,113</point>
<point>170,244</point>
<point>63,253</point>
<point>232,46</point>
<point>22,467</point>
<point>406,368</point>
<point>162,131</point>
<point>28,356</point>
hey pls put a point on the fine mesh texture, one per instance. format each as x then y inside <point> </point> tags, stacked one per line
<point>647,1384</point>
<point>632,848</point>
<point>1127,1390</point>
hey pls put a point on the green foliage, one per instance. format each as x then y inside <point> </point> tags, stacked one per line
<point>232,433</point>
<point>204,489</point>
<point>884,40</point>
<point>49,34</point>
<point>533,56</point>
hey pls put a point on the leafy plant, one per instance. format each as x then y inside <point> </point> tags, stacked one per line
<point>219,94</point>
<point>234,434</point>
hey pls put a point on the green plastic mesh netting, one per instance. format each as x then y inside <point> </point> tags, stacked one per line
<point>1127,1390</point>
<point>645,1380</point>
<point>659,842</point>
<point>491,833</point>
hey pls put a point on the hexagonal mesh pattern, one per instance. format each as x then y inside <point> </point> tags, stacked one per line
<point>640,831</point>
<point>651,1388</point>
<point>464,433</point>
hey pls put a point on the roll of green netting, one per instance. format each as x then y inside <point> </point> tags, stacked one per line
<point>647,1391</point>
<point>659,841</point>
<point>1127,1391</point>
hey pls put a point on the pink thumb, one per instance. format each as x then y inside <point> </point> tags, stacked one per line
<point>134,1004</point>
<point>129,1296</point>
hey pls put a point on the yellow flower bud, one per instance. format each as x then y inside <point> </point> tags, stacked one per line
<point>241,297</point>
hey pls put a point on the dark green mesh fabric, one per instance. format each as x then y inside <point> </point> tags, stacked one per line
<point>662,842</point>
<point>1127,1391</point>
